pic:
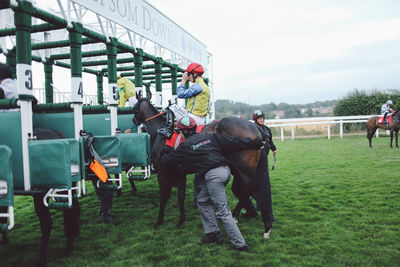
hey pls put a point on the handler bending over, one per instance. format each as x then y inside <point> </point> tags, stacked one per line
<point>203,153</point>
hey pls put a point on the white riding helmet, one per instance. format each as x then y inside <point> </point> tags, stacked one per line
<point>389,102</point>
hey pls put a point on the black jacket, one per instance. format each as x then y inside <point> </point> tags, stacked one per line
<point>205,151</point>
<point>267,137</point>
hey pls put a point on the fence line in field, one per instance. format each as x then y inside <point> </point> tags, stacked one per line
<point>341,120</point>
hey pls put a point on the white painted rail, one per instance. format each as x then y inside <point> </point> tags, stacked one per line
<point>328,121</point>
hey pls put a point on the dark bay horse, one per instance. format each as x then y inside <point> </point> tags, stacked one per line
<point>394,126</point>
<point>71,216</point>
<point>154,120</point>
<point>244,164</point>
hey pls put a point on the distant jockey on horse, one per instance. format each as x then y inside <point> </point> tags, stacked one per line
<point>197,95</point>
<point>385,110</point>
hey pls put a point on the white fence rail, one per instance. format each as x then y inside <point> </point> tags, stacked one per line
<point>328,121</point>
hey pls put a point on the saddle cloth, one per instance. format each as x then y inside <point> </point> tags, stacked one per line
<point>388,118</point>
<point>175,140</point>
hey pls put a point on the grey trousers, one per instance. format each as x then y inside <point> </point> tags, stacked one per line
<point>212,193</point>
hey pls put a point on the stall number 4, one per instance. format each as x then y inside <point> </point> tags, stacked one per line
<point>28,80</point>
<point>80,90</point>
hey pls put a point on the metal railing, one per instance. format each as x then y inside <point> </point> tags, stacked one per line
<point>62,97</point>
<point>328,121</point>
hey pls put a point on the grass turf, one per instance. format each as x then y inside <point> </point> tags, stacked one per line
<point>336,203</point>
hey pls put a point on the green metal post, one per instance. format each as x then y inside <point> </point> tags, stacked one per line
<point>112,82</point>
<point>75,42</point>
<point>23,26</point>
<point>174,74</point>
<point>100,88</point>
<point>158,71</point>
<point>112,71</point>
<point>138,58</point>
<point>48,77</point>
<point>75,39</point>
<point>147,88</point>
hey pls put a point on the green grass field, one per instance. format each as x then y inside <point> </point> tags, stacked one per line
<point>336,203</point>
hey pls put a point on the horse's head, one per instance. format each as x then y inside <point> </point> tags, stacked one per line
<point>139,110</point>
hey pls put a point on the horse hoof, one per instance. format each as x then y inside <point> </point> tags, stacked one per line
<point>235,220</point>
<point>266,235</point>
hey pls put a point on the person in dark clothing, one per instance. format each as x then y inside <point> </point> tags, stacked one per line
<point>258,118</point>
<point>204,153</point>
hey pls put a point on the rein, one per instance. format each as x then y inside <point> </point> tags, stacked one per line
<point>155,116</point>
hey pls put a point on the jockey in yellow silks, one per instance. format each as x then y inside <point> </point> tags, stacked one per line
<point>197,95</point>
<point>126,91</point>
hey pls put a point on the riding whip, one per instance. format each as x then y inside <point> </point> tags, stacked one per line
<point>273,165</point>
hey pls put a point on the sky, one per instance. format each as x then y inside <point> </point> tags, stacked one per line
<point>294,51</point>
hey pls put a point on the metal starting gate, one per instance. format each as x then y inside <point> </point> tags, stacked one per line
<point>95,37</point>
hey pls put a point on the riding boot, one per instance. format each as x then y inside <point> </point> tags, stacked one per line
<point>106,206</point>
<point>387,125</point>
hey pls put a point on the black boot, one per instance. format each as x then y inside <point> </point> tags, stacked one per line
<point>105,206</point>
<point>213,237</point>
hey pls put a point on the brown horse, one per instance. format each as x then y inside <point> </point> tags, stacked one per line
<point>394,126</point>
<point>245,164</point>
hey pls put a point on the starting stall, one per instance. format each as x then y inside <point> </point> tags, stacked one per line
<point>85,38</point>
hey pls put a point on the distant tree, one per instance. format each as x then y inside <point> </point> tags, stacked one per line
<point>365,103</point>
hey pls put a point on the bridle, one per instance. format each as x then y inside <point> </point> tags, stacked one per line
<point>136,110</point>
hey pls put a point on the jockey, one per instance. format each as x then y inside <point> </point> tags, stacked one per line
<point>197,95</point>
<point>385,110</point>
<point>258,118</point>
<point>126,92</point>
<point>204,153</point>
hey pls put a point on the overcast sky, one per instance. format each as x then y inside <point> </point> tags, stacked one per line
<point>294,51</point>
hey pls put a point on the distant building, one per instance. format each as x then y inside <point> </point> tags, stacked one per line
<point>279,114</point>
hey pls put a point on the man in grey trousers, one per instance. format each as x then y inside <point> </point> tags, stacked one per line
<point>203,153</point>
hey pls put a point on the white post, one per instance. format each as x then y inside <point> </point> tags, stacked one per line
<point>341,128</point>
<point>329,131</point>
<point>292,125</point>
<point>78,119</point>
<point>377,133</point>
<point>282,135</point>
<point>112,106</point>
<point>25,87</point>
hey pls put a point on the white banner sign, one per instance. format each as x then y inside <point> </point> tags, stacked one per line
<point>142,18</point>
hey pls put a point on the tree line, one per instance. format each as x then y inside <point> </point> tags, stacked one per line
<point>224,108</point>
<point>361,102</point>
<point>356,102</point>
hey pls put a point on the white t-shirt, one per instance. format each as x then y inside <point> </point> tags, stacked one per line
<point>9,87</point>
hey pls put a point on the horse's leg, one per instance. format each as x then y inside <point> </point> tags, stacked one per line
<point>397,138</point>
<point>165,192</point>
<point>45,226</point>
<point>133,186</point>
<point>71,225</point>
<point>181,198</point>
<point>265,214</point>
<point>370,134</point>
<point>391,138</point>
<point>239,190</point>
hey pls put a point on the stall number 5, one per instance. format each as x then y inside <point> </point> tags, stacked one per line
<point>115,93</point>
<point>28,79</point>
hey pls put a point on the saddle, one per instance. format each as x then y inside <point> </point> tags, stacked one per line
<point>388,119</point>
